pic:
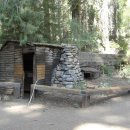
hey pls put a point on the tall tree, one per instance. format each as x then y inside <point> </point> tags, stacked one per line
<point>46,29</point>
<point>76,8</point>
<point>86,23</point>
<point>20,21</point>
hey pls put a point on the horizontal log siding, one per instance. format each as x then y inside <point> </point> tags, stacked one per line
<point>18,61</point>
<point>7,63</point>
<point>50,58</point>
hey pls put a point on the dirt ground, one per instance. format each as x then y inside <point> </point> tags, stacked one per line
<point>110,115</point>
<point>114,80</point>
<point>113,114</point>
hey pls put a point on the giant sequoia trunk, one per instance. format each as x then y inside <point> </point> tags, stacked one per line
<point>104,19</point>
<point>113,20</point>
<point>91,17</point>
<point>75,7</point>
<point>108,23</point>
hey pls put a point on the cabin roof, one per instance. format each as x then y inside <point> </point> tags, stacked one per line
<point>47,44</point>
<point>33,44</point>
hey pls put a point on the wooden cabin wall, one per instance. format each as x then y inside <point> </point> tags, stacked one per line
<point>18,64</point>
<point>11,64</point>
<point>47,59</point>
<point>7,63</point>
<point>18,67</point>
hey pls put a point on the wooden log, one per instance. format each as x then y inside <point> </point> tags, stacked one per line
<point>75,95</point>
<point>69,95</point>
<point>87,91</point>
<point>7,90</point>
<point>111,90</point>
<point>57,89</point>
<point>62,98</point>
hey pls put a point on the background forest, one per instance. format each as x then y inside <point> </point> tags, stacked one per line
<point>93,25</point>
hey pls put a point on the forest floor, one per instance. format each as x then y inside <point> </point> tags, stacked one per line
<point>112,114</point>
<point>115,80</point>
<point>105,81</point>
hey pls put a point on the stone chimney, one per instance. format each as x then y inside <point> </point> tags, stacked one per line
<point>68,72</point>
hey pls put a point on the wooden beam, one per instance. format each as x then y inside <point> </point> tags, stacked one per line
<point>87,91</point>
<point>109,90</point>
<point>75,95</point>
<point>59,90</point>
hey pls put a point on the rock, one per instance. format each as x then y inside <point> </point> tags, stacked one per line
<point>58,68</point>
<point>72,72</point>
<point>69,86</point>
<point>69,54</point>
<point>57,82</point>
<point>66,68</point>
<point>68,83</point>
<point>60,79</point>
<point>62,59</point>
<point>75,60</point>
<point>69,60</point>
<point>70,66</point>
<point>66,76</point>
<point>58,73</point>
<point>68,71</point>
<point>69,79</point>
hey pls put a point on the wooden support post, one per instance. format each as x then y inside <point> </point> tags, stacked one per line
<point>87,100</point>
<point>83,102</point>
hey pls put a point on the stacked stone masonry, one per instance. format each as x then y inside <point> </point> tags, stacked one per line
<point>68,71</point>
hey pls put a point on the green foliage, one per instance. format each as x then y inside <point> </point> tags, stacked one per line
<point>121,7</point>
<point>80,36</point>
<point>31,20</point>
<point>80,85</point>
<point>19,21</point>
<point>123,44</point>
<point>125,72</point>
<point>69,21</point>
<point>123,19</point>
<point>108,70</point>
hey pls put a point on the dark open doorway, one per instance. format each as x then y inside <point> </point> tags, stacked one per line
<point>87,76</point>
<point>28,71</point>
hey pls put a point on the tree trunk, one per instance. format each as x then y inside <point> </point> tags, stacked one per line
<point>113,20</point>
<point>75,7</point>
<point>47,31</point>
<point>104,19</point>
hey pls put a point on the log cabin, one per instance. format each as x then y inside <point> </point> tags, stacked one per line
<point>26,64</point>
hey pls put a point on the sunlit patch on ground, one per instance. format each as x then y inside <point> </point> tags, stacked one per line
<point>23,109</point>
<point>94,126</point>
<point>17,115</point>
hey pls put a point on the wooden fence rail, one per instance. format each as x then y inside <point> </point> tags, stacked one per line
<point>81,96</point>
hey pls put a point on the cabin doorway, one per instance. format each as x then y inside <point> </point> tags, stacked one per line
<point>28,71</point>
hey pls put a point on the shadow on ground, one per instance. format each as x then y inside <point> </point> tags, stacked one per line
<point>110,115</point>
